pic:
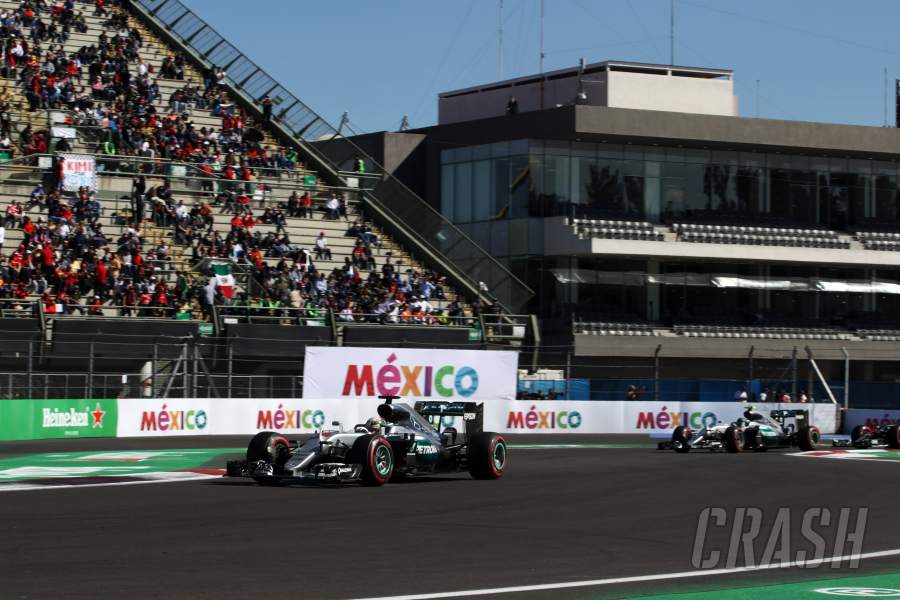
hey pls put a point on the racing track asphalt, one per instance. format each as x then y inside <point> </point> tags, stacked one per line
<point>558,515</point>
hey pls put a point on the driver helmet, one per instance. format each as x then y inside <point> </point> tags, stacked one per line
<point>374,423</point>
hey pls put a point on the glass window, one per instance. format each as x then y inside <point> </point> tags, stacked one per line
<point>583,149</point>
<point>463,193</point>
<point>605,150</point>
<point>556,183</point>
<point>604,188</point>
<point>481,191</point>
<point>500,149</point>
<point>501,206</point>
<point>464,154</point>
<point>583,169</point>
<point>634,152</point>
<point>481,152</point>
<point>519,186</point>
<point>448,156</point>
<point>692,155</point>
<point>447,199</point>
<point>518,147</point>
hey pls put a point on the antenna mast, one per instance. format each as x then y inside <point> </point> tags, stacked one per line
<point>672,33</point>
<point>500,41</point>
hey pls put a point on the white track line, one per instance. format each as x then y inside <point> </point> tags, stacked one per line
<point>31,487</point>
<point>637,579</point>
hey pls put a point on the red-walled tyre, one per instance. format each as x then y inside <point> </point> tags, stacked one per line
<point>376,456</point>
<point>808,438</point>
<point>488,455</point>
<point>271,447</point>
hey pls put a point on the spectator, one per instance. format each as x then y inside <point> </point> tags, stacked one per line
<point>322,249</point>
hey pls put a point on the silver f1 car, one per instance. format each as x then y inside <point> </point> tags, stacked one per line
<point>756,431</point>
<point>401,442</point>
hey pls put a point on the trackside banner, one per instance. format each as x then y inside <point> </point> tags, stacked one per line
<point>451,375</point>
<point>631,417</point>
<point>45,419</point>
<point>238,416</point>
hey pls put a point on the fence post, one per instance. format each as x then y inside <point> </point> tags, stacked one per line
<point>656,373</point>
<point>184,370</point>
<point>794,375</point>
<point>90,377</point>
<point>30,367</point>
<point>846,378</point>
<point>194,370</point>
<point>230,365</point>
<point>152,371</point>
<point>750,370</point>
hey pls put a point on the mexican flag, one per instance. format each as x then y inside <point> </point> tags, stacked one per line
<point>224,279</point>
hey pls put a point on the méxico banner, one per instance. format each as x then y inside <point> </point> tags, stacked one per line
<point>632,417</point>
<point>44,419</point>
<point>453,375</point>
<point>79,170</point>
<point>239,416</point>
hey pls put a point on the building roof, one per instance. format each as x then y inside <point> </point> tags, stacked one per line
<point>599,67</point>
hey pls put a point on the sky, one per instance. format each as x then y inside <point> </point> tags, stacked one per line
<point>814,60</point>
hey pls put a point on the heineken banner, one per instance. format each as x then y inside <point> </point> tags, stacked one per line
<point>43,419</point>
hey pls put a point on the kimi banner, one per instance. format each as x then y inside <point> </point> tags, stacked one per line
<point>79,170</point>
<point>413,374</point>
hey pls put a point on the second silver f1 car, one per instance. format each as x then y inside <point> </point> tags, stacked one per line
<point>755,431</point>
<point>400,442</point>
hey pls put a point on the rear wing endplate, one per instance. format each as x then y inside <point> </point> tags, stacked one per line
<point>472,413</point>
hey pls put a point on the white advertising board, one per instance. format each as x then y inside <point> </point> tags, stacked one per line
<point>239,416</point>
<point>452,375</point>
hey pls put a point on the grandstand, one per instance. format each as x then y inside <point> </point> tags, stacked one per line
<point>207,208</point>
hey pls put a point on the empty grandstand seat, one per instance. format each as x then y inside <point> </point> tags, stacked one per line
<point>758,236</point>
<point>761,332</point>
<point>879,240</point>
<point>618,230</point>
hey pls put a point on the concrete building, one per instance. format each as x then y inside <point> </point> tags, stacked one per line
<point>654,219</point>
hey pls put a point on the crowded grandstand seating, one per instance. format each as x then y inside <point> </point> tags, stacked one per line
<point>619,230</point>
<point>612,328</point>
<point>130,247</point>
<point>879,240</point>
<point>781,333</point>
<point>758,236</point>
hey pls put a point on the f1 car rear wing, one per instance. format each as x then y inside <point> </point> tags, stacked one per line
<point>471,412</point>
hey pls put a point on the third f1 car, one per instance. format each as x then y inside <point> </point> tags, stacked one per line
<point>755,431</point>
<point>400,442</point>
<point>866,436</point>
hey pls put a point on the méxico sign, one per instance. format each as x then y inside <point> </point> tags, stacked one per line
<point>44,419</point>
<point>410,373</point>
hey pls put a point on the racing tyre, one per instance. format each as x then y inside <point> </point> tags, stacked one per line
<point>376,456</point>
<point>808,438</point>
<point>754,440</point>
<point>271,447</point>
<point>680,438</point>
<point>893,437</point>
<point>734,440</point>
<point>488,455</point>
